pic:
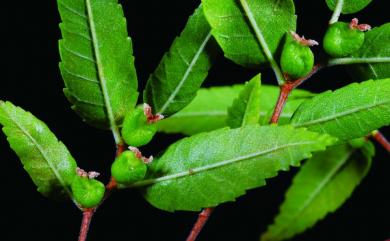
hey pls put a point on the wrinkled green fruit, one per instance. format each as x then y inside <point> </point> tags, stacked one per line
<point>297,60</point>
<point>127,168</point>
<point>136,131</point>
<point>340,40</point>
<point>87,192</point>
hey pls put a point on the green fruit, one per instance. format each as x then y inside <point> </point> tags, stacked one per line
<point>297,59</point>
<point>136,131</point>
<point>87,192</point>
<point>127,168</point>
<point>340,40</point>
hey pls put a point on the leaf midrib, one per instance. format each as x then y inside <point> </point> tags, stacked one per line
<point>333,172</point>
<point>102,78</point>
<point>186,74</point>
<point>218,164</point>
<point>41,151</point>
<point>341,114</point>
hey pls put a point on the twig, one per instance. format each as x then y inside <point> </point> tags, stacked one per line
<point>87,217</point>
<point>285,91</point>
<point>202,219</point>
<point>381,139</point>
<point>88,212</point>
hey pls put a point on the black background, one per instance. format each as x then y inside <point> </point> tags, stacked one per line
<point>30,78</point>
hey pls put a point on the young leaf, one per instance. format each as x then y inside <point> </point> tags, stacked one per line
<point>208,110</point>
<point>347,113</point>
<point>248,35</point>
<point>348,6</point>
<point>216,167</point>
<point>47,160</point>
<point>376,45</point>
<point>322,185</point>
<point>97,63</point>
<point>183,69</point>
<point>246,107</point>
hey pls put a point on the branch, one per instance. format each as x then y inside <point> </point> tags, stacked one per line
<point>285,91</point>
<point>85,223</point>
<point>88,212</point>
<point>202,219</point>
<point>381,139</point>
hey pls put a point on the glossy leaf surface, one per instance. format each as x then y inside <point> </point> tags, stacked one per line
<point>376,45</point>
<point>47,160</point>
<point>216,167</point>
<point>183,69</point>
<point>96,61</point>
<point>244,41</point>
<point>347,113</point>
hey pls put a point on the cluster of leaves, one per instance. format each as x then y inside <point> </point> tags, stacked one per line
<point>231,147</point>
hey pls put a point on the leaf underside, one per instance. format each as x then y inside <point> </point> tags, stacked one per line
<point>216,167</point>
<point>183,69</point>
<point>208,110</point>
<point>235,34</point>
<point>96,61</point>
<point>376,44</point>
<point>347,113</point>
<point>47,160</point>
<point>321,186</point>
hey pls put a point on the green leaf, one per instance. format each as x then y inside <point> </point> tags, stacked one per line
<point>246,107</point>
<point>322,185</point>
<point>183,69</point>
<point>216,167</point>
<point>349,6</point>
<point>97,63</point>
<point>376,45</point>
<point>208,110</point>
<point>347,113</point>
<point>47,160</point>
<point>248,36</point>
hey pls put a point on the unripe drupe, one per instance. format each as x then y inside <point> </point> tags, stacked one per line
<point>139,126</point>
<point>128,168</point>
<point>87,192</point>
<point>297,59</point>
<point>342,39</point>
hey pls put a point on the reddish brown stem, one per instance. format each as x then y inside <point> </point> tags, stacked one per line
<point>381,139</point>
<point>85,223</point>
<point>88,212</point>
<point>202,219</point>
<point>285,91</point>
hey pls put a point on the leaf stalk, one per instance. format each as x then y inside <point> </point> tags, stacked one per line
<point>337,12</point>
